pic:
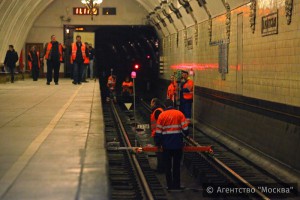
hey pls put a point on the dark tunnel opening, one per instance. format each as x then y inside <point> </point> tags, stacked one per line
<point>121,48</point>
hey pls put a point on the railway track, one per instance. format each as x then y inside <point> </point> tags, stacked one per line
<point>132,177</point>
<point>227,169</point>
<point>130,174</point>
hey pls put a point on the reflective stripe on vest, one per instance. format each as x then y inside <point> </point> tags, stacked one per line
<point>153,121</point>
<point>171,122</point>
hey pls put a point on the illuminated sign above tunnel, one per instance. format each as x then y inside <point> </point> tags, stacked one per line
<point>84,11</point>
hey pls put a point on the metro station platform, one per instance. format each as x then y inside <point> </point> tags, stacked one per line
<point>52,141</point>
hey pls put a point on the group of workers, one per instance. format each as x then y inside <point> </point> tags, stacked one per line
<point>182,90</point>
<point>169,126</point>
<point>82,57</point>
<point>127,88</point>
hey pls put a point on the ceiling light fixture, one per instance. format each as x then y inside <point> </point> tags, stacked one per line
<point>92,5</point>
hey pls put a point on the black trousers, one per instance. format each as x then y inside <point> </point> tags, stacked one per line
<point>172,160</point>
<point>77,72</point>
<point>35,72</point>
<point>160,161</point>
<point>53,65</point>
<point>12,73</point>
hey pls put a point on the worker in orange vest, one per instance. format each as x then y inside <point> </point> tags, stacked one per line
<point>86,64</point>
<point>171,91</point>
<point>127,90</point>
<point>171,127</point>
<point>78,55</point>
<point>186,95</point>
<point>157,108</point>
<point>127,86</point>
<point>111,85</point>
<point>34,63</point>
<point>53,53</point>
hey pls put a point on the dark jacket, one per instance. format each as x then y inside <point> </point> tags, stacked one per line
<point>55,51</point>
<point>92,54</point>
<point>11,58</point>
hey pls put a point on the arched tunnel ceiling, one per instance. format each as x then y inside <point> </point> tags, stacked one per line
<point>17,16</point>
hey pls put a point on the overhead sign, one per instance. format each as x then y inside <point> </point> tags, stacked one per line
<point>84,11</point>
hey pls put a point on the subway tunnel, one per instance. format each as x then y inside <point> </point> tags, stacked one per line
<point>242,55</point>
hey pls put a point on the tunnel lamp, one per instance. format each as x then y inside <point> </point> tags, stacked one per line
<point>92,5</point>
<point>133,74</point>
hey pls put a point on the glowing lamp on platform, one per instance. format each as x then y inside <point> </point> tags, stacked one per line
<point>92,5</point>
<point>133,74</point>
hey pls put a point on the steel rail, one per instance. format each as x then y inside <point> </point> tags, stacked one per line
<point>220,163</point>
<point>143,180</point>
<point>229,170</point>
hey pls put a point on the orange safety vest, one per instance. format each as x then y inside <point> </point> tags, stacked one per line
<point>171,122</point>
<point>74,50</point>
<point>111,83</point>
<point>49,49</point>
<point>153,121</point>
<point>86,60</point>
<point>127,86</point>
<point>171,91</point>
<point>170,129</point>
<point>30,62</point>
<point>189,85</point>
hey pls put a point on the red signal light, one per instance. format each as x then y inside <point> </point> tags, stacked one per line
<point>136,66</point>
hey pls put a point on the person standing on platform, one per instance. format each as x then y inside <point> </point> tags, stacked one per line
<point>170,129</point>
<point>53,53</point>
<point>92,57</point>
<point>78,55</point>
<point>10,61</point>
<point>171,91</point>
<point>157,108</point>
<point>86,64</point>
<point>34,62</point>
<point>186,95</point>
